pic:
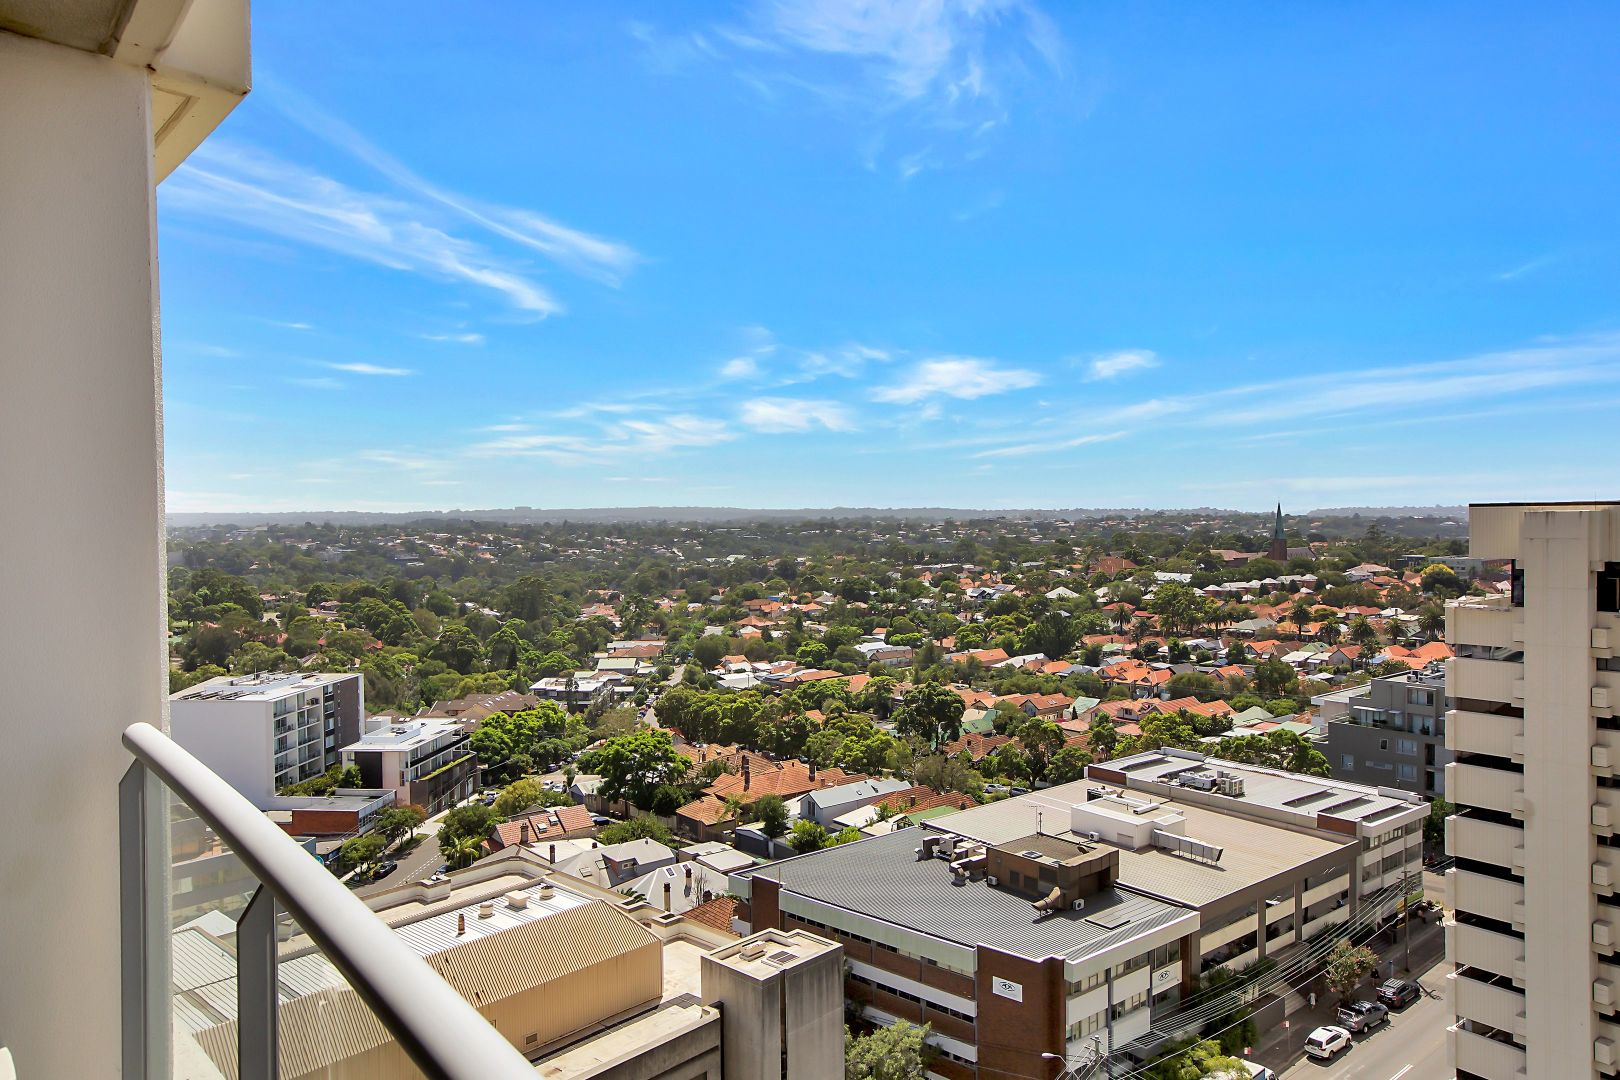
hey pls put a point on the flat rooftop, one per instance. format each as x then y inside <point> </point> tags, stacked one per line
<point>882,878</point>
<point>1288,798</point>
<point>265,686</point>
<point>1255,851</point>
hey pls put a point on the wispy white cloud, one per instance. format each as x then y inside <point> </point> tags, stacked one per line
<point>577,250</point>
<point>739,367</point>
<point>217,351</point>
<point>224,182</point>
<point>611,441</point>
<point>1113,365</point>
<point>362,368</point>
<point>467,338</point>
<point>1525,269</point>
<point>394,459</point>
<point>1023,449</point>
<point>291,325</point>
<point>318,382</point>
<point>775,414</point>
<point>965,377</point>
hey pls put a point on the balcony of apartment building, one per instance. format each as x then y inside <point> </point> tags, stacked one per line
<point>99,101</point>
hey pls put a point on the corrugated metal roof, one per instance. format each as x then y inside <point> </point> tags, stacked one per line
<point>882,878</point>
<point>493,968</point>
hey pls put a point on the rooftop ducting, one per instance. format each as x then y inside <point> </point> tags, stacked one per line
<point>1052,901</point>
<point>1186,845</point>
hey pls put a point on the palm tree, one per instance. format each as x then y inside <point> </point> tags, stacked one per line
<point>1432,620</point>
<point>463,851</point>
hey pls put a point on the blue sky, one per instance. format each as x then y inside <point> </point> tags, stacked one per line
<point>988,254</point>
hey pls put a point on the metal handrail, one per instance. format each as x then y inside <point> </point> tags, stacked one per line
<point>443,1034</point>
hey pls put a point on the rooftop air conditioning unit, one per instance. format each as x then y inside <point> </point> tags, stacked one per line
<point>1079,905</point>
<point>991,879</point>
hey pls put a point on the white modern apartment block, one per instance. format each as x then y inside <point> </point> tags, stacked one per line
<point>262,732</point>
<point>426,761</point>
<point>1536,688</point>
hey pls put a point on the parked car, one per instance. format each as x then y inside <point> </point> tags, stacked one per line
<point>1257,1071</point>
<point>384,868</point>
<point>598,820</point>
<point>1327,1041</point>
<point>1362,1015</point>
<point>1399,993</point>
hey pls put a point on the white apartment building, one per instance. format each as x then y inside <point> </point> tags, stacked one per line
<point>1536,687</point>
<point>426,761</point>
<point>262,732</point>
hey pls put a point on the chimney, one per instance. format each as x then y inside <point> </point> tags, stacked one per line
<point>812,772</point>
<point>461,923</point>
<point>552,858</point>
<point>523,833</point>
<point>666,896</point>
<point>688,871</point>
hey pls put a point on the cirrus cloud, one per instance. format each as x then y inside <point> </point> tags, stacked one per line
<point>1113,365</point>
<point>771,414</point>
<point>964,377</point>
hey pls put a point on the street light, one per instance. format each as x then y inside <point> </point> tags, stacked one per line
<point>1088,1061</point>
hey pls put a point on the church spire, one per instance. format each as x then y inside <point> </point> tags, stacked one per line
<point>1279,542</point>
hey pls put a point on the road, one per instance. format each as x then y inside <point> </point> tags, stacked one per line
<point>1412,1046</point>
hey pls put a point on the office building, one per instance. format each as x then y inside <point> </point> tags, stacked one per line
<point>1390,732</point>
<point>1535,689</point>
<point>1062,922</point>
<point>427,762</point>
<point>265,731</point>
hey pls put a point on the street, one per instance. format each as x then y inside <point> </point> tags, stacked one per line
<point>1412,1046</point>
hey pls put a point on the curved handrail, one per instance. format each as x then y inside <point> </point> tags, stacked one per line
<point>443,1034</point>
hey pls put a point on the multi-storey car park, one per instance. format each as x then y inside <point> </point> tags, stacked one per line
<point>1074,922</point>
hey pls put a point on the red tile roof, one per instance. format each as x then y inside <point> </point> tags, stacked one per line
<point>716,913</point>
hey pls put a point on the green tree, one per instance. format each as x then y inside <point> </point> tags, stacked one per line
<point>806,837</point>
<point>1347,965</point>
<point>1201,1060</point>
<point>462,851</point>
<point>895,1052</point>
<point>360,852</point>
<point>517,797</point>
<point>772,815</point>
<point>633,766</point>
<point>472,821</point>
<point>397,822</point>
<point>1068,765</point>
<point>458,649</point>
<point>637,828</point>
<point>1102,736</point>
<point>1434,826</point>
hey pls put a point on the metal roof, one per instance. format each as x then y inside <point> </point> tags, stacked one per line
<point>882,878</point>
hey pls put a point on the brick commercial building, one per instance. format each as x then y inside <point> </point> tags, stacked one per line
<point>1069,921</point>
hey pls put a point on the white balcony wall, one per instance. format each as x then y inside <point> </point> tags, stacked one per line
<point>1482,733</point>
<point>1484,680</point>
<point>1501,1007</point>
<point>1480,623</point>
<point>1490,897</point>
<point>81,479</point>
<point>1484,841</point>
<point>1477,785</point>
<point>1499,954</point>
<point>1488,1058</point>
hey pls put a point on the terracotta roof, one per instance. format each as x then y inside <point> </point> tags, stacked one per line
<point>708,810</point>
<point>977,746</point>
<point>716,914</point>
<point>552,823</point>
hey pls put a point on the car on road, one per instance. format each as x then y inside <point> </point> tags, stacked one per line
<point>1399,993</point>
<point>1326,1041</point>
<point>1361,1016</point>
<point>384,868</point>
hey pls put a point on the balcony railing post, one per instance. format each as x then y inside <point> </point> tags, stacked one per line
<point>145,982</point>
<point>256,999</point>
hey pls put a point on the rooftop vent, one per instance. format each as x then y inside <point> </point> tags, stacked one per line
<point>517,900</point>
<point>752,952</point>
<point>782,957</point>
<point>486,909</point>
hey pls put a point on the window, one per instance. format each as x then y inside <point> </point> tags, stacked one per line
<point>1608,588</point>
<point>1415,696</point>
<point>1383,744</point>
<point>1409,747</point>
<point>1130,1004</point>
<point>1347,761</point>
<point>1406,772</point>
